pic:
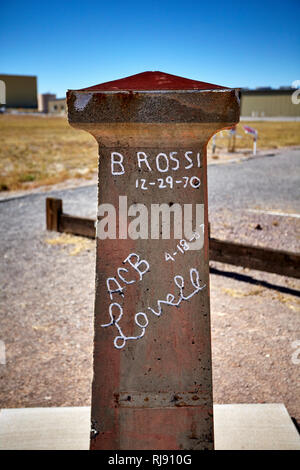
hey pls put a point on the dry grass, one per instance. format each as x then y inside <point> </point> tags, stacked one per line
<point>270,135</point>
<point>40,150</point>
<point>77,243</point>
<point>239,293</point>
<point>43,150</point>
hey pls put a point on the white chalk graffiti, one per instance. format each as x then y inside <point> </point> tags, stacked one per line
<point>163,165</point>
<point>141,319</point>
<point>115,321</point>
<point>168,183</point>
<point>163,162</point>
<point>118,163</point>
<point>136,266</point>
<point>184,246</point>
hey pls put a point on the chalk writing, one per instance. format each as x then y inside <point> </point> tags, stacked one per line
<point>141,267</point>
<point>184,246</point>
<point>162,162</point>
<point>168,183</point>
<point>141,318</point>
<point>117,161</point>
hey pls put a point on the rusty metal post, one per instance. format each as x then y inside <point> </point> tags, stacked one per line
<point>152,385</point>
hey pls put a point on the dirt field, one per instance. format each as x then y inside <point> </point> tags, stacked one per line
<point>43,150</point>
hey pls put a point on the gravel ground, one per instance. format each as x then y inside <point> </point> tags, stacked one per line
<point>255,316</point>
<point>46,309</point>
<point>254,327</point>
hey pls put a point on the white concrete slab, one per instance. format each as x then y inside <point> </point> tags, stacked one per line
<point>65,428</point>
<point>254,427</point>
<point>237,427</point>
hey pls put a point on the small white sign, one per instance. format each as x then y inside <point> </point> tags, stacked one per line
<point>254,133</point>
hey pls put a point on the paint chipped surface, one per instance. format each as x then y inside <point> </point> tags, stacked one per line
<point>237,94</point>
<point>82,100</point>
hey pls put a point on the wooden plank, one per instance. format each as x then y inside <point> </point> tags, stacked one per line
<point>54,208</point>
<point>252,257</point>
<point>77,225</point>
<point>262,259</point>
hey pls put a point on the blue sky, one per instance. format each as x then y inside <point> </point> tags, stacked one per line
<point>74,44</point>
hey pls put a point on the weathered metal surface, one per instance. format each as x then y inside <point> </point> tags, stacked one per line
<point>172,107</point>
<point>162,399</point>
<point>152,322</point>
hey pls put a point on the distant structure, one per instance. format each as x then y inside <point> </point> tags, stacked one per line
<point>43,101</point>
<point>268,102</point>
<point>57,106</point>
<point>18,91</point>
<point>261,102</point>
<point>48,103</point>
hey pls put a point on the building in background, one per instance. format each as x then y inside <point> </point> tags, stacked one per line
<point>269,102</point>
<point>18,91</point>
<point>43,101</point>
<point>258,103</point>
<point>57,106</point>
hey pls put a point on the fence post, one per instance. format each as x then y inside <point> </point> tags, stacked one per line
<point>152,385</point>
<point>54,208</point>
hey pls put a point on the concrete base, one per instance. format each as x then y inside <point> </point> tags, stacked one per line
<point>237,427</point>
